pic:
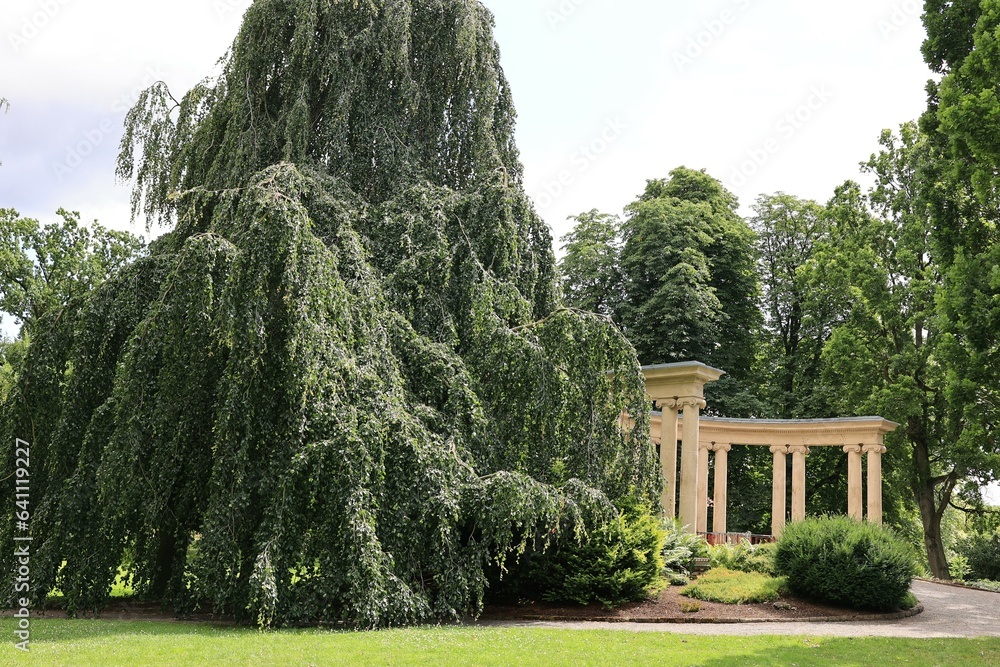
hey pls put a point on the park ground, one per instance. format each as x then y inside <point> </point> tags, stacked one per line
<point>959,627</point>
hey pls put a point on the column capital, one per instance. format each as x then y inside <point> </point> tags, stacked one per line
<point>875,449</point>
<point>853,449</point>
<point>723,447</point>
<point>779,449</point>
<point>710,446</point>
<point>690,402</point>
<point>798,449</point>
<point>668,404</point>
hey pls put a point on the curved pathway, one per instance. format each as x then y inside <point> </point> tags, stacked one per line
<point>948,612</point>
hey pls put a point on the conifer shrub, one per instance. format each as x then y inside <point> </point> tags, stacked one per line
<point>839,561</point>
<point>618,562</point>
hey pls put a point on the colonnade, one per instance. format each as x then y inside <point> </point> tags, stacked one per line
<point>678,390</point>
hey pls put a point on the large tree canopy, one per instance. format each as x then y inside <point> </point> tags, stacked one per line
<point>340,387</point>
<point>45,266</point>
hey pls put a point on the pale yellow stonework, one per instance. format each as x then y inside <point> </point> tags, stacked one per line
<point>678,391</point>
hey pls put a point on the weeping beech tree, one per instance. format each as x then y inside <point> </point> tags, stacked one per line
<point>339,388</point>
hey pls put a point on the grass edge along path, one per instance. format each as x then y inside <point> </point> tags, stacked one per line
<point>85,643</point>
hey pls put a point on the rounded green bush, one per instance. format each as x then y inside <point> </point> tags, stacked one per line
<point>840,561</point>
<point>982,552</point>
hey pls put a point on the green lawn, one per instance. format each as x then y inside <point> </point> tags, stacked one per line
<point>107,644</point>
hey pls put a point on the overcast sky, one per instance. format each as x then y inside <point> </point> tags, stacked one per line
<point>766,95</point>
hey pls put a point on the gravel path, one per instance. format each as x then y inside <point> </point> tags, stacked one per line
<point>948,612</point>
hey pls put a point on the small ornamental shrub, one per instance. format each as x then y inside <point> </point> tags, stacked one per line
<point>679,547</point>
<point>729,587</point>
<point>744,557</point>
<point>982,554</point>
<point>617,563</point>
<point>839,561</point>
<point>993,586</point>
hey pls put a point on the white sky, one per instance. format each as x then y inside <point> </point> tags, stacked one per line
<point>647,85</point>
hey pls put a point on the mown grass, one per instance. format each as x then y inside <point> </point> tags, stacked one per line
<point>728,587</point>
<point>110,644</point>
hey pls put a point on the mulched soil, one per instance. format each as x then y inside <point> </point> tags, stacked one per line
<point>667,608</point>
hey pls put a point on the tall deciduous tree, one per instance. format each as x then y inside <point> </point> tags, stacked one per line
<point>340,388</point>
<point>689,282</point>
<point>591,276</point>
<point>43,267</point>
<point>788,231</point>
<point>897,354</point>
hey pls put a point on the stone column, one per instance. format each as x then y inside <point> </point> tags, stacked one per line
<point>778,490</point>
<point>875,453</point>
<point>668,457</point>
<point>689,462</point>
<point>721,487</point>
<point>855,494</point>
<point>703,455</point>
<point>799,453</point>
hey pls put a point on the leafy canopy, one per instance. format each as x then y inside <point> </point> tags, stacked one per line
<point>46,266</point>
<point>340,388</point>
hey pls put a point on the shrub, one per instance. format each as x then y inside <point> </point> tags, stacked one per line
<point>619,562</point>
<point>729,587</point>
<point>993,586</point>
<point>982,554</point>
<point>744,557</point>
<point>679,547</point>
<point>840,561</point>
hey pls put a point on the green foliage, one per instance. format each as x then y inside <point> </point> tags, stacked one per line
<point>729,587</point>
<point>678,276</point>
<point>617,562</point>
<point>839,561</point>
<point>688,268</point>
<point>344,379</point>
<point>12,354</point>
<point>788,230</point>
<point>744,557</point>
<point>679,547</point>
<point>44,267</point>
<point>590,273</point>
<point>985,585</point>
<point>982,555</point>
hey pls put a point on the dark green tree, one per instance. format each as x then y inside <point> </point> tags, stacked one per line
<point>897,353</point>
<point>591,277</point>
<point>788,230</point>
<point>689,283</point>
<point>961,195</point>
<point>339,388</point>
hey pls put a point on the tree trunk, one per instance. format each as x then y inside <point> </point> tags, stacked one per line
<point>925,489</point>
<point>931,519</point>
